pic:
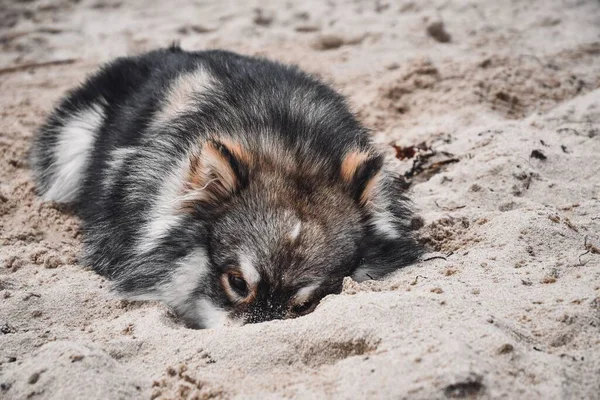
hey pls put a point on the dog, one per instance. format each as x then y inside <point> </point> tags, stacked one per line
<point>232,188</point>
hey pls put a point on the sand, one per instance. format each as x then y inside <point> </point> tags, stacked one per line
<point>503,97</point>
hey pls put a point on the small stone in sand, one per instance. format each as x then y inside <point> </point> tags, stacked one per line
<point>505,348</point>
<point>328,42</point>
<point>52,262</point>
<point>34,378</point>
<point>187,29</point>
<point>6,328</point>
<point>437,30</point>
<point>538,154</point>
<point>554,218</point>
<point>307,28</point>
<point>263,18</point>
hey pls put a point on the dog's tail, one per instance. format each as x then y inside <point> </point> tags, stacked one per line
<point>61,149</point>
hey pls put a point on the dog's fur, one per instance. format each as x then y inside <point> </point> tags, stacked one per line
<point>232,188</point>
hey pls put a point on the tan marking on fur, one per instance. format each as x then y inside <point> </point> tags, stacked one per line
<point>370,190</point>
<point>210,177</point>
<point>271,155</point>
<point>237,150</point>
<point>181,94</point>
<point>215,162</point>
<point>351,163</point>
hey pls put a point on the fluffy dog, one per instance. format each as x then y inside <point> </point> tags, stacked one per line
<point>232,188</point>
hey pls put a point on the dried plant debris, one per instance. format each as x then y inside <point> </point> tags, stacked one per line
<point>592,244</point>
<point>426,161</point>
<point>35,65</point>
<point>402,153</point>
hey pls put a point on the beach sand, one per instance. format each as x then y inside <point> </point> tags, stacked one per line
<point>501,100</point>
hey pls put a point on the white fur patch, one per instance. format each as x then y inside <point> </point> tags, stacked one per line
<point>248,269</point>
<point>177,290</point>
<point>383,222</point>
<point>295,232</point>
<point>304,294</point>
<point>75,141</point>
<point>182,93</point>
<point>361,274</point>
<point>180,99</point>
<point>163,215</point>
<point>381,217</point>
<point>214,317</point>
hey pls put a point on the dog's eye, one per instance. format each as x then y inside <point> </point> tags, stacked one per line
<point>238,284</point>
<point>304,308</point>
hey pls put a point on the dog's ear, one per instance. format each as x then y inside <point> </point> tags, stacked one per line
<point>361,171</point>
<point>216,172</point>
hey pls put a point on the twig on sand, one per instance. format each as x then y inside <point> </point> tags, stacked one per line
<point>590,248</point>
<point>449,208</point>
<point>436,258</point>
<point>413,283</point>
<point>587,251</point>
<point>528,180</point>
<point>21,67</point>
<point>30,295</point>
<point>581,263</point>
<point>439,257</point>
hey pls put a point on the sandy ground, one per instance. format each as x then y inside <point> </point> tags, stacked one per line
<point>506,95</point>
